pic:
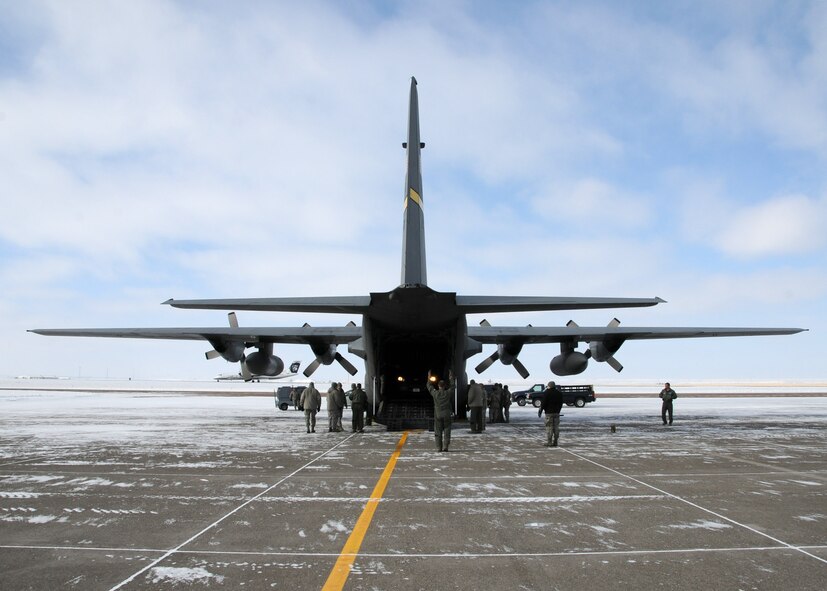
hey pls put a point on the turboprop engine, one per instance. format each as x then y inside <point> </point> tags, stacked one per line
<point>263,362</point>
<point>232,351</point>
<point>507,354</point>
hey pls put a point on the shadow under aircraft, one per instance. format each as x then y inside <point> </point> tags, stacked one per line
<point>412,331</point>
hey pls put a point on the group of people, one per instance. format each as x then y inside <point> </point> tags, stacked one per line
<point>311,401</point>
<point>553,402</point>
<point>498,402</point>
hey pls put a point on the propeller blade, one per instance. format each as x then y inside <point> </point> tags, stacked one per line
<point>314,365</point>
<point>346,364</point>
<point>485,323</point>
<point>487,362</point>
<point>212,354</point>
<point>245,371</point>
<point>615,364</point>
<point>572,323</point>
<point>613,323</point>
<point>520,368</point>
<point>233,319</point>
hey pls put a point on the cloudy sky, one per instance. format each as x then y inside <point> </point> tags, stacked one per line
<point>158,149</point>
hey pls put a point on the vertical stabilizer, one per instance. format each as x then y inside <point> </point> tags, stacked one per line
<point>413,229</point>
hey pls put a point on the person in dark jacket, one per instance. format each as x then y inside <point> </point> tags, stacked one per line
<point>552,403</point>
<point>358,403</point>
<point>667,395</point>
<point>506,403</point>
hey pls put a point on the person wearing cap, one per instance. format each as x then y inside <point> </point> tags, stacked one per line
<point>552,403</point>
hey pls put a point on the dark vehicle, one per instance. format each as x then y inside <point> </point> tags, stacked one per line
<point>282,396</point>
<point>572,395</point>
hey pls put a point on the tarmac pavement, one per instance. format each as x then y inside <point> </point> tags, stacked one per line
<point>134,492</point>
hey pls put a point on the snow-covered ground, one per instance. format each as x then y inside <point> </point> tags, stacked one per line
<point>631,387</point>
<point>156,409</point>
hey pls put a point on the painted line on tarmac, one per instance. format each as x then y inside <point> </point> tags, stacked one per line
<point>509,555</point>
<point>341,570</point>
<point>690,503</point>
<point>51,456</point>
<point>169,553</point>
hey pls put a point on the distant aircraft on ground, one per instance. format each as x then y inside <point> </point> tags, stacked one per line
<point>412,330</point>
<point>235,377</point>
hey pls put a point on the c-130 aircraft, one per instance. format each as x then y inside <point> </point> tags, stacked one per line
<point>412,331</point>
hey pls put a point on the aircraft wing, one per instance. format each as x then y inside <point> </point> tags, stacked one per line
<point>492,304</point>
<point>308,335</point>
<point>561,334</point>
<point>324,304</point>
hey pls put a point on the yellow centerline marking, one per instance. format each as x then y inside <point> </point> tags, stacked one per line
<point>338,575</point>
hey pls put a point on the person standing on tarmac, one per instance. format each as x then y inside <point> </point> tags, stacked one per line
<point>334,410</point>
<point>493,404</point>
<point>667,395</point>
<point>552,403</point>
<point>476,404</point>
<point>443,397</point>
<point>506,402</point>
<point>358,402</point>
<point>342,400</point>
<point>294,398</point>
<point>311,401</point>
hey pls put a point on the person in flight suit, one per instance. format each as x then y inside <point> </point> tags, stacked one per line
<point>311,401</point>
<point>334,408</point>
<point>342,401</point>
<point>667,395</point>
<point>506,402</point>
<point>443,396</point>
<point>493,405</point>
<point>476,404</point>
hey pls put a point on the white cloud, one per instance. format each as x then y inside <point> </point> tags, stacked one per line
<point>790,224</point>
<point>594,201</point>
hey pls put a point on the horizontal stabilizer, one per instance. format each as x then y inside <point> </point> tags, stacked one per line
<point>486,304</point>
<point>322,305</point>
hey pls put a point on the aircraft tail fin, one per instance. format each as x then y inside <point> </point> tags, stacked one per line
<point>413,231</point>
